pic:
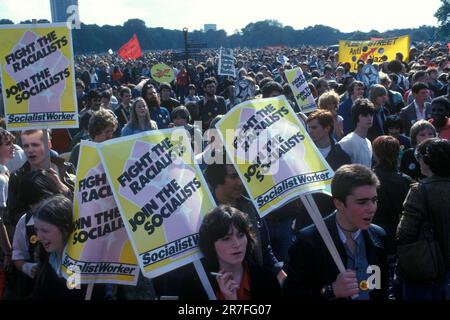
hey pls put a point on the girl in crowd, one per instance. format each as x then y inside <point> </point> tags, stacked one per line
<point>429,198</point>
<point>139,119</point>
<point>420,131</point>
<point>394,185</point>
<point>53,224</point>
<point>227,243</point>
<point>35,186</point>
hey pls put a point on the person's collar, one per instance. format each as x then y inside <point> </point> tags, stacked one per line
<point>324,143</point>
<point>416,106</point>
<point>361,132</point>
<point>342,233</point>
<point>55,264</point>
<point>3,169</point>
<point>206,99</point>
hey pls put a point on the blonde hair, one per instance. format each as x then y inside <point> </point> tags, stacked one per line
<point>327,98</point>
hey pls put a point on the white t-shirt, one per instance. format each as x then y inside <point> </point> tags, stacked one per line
<point>4,179</point>
<point>20,241</point>
<point>325,151</point>
<point>18,160</point>
<point>359,149</point>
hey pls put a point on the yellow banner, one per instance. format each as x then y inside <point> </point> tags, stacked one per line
<point>161,194</point>
<point>38,78</point>
<point>99,250</point>
<point>272,152</point>
<point>378,50</point>
<point>300,89</point>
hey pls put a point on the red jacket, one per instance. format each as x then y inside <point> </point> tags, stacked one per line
<point>182,78</point>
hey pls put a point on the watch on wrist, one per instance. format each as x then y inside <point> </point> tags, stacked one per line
<point>327,292</point>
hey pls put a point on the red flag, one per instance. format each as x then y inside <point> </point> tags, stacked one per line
<point>131,49</point>
<point>448,45</point>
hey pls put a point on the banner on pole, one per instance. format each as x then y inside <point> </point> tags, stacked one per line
<point>377,50</point>
<point>99,250</point>
<point>226,63</point>
<point>38,78</point>
<point>161,194</point>
<point>162,73</point>
<point>272,152</point>
<point>300,89</point>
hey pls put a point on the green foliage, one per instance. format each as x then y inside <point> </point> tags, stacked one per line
<point>6,21</point>
<point>443,16</point>
<point>443,13</point>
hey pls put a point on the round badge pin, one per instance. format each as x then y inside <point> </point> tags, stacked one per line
<point>363,285</point>
<point>33,239</point>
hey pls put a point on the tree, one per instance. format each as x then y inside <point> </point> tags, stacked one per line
<point>94,38</point>
<point>6,21</point>
<point>443,16</point>
<point>135,25</point>
<point>443,13</point>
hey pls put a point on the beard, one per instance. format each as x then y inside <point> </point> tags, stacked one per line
<point>210,95</point>
<point>154,102</point>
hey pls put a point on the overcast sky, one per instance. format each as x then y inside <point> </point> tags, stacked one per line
<point>345,15</point>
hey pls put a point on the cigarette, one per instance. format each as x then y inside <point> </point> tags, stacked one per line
<point>217,274</point>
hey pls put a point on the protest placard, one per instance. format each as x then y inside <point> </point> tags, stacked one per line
<point>98,250</point>
<point>162,73</point>
<point>161,194</point>
<point>272,152</point>
<point>300,89</point>
<point>226,63</point>
<point>377,50</point>
<point>276,159</point>
<point>38,78</point>
<point>244,89</point>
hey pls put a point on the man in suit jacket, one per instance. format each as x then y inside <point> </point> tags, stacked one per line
<point>361,245</point>
<point>419,109</point>
<point>378,96</point>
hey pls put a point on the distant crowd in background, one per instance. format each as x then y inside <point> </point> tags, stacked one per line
<point>386,136</point>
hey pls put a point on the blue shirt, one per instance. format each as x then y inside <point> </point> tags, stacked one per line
<point>358,261</point>
<point>345,111</point>
<point>129,130</point>
<point>162,117</point>
<point>380,118</point>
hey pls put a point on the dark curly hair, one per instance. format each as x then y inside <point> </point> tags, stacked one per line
<point>435,153</point>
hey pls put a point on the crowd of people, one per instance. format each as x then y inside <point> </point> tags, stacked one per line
<point>388,141</point>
